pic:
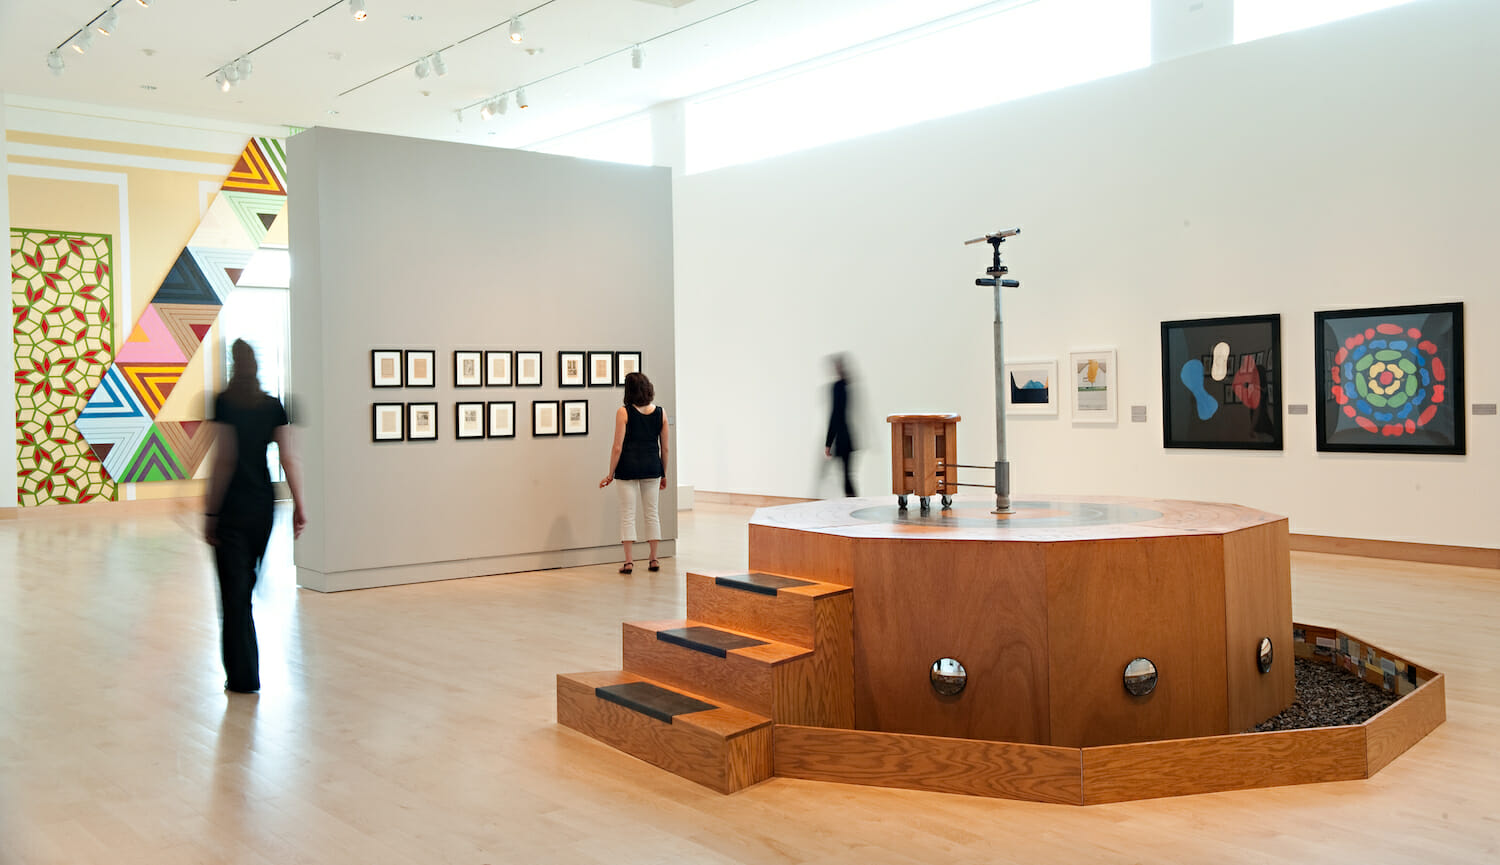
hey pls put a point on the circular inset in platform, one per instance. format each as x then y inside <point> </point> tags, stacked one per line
<point>949,678</point>
<point>1140,677</point>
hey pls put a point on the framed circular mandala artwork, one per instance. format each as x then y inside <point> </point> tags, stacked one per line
<point>1391,380</point>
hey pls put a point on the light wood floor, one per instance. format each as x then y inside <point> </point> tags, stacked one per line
<point>416,725</point>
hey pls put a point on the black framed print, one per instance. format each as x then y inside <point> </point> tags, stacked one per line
<point>385,367</point>
<point>1221,382</point>
<point>544,418</point>
<point>388,422</point>
<point>468,420</point>
<point>626,362</point>
<point>570,369</point>
<point>528,369</point>
<point>601,369</point>
<point>1391,379</point>
<point>419,368</point>
<point>467,369</point>
<point>575,413</point>
<point>421,421</point>
<point>497,368</point>
<point>502,420</point>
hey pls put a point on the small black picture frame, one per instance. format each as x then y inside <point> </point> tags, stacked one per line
<point>386,367</point>
<point>572,369</point>
<point>601,369</point>
<point>468,368</point>
<point>421,367</point>
<point>626,362</point>
<point>468,420</point>
<point>500,420</point>
<point>528,369</point>
<point>499,368</point>
<point>575,417</point>
<point>421,421</point>
<point>544,418</point>
<point>388,422</point>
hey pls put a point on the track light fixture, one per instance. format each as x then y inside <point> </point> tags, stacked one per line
<point>222,79</point>
<point>439,66</point>
<point>521,100</point>
<point>82,40</point>
<point>107,22</point>
<point>244,67</point>
<point>357,9</point>
<point>637,57</point>
<point>487,110</point>
<point>423,68</point>
<point>145,4</point>
<point>517,30</point>
<point>55,62</point>
<point>231,73</point>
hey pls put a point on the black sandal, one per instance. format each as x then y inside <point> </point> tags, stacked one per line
<point>654,565</point>
<point>628,567</point>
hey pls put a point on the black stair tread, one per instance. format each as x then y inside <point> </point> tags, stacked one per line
<point>652,700</point>
<point>711,641</point>
<point>764,584</point>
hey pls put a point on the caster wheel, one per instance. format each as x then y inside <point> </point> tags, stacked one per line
<point>947,502</point>
<point>926,504</point>
<point>901,502</point>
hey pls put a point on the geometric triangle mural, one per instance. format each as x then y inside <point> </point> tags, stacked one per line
<point>119,423</point>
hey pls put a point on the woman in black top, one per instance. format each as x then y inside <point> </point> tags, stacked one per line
<point>239,506</point>
<point>638,460</point>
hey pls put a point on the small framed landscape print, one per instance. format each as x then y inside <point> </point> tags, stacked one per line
<point>575,417</point>
<point>421,421</point>
<point>626,362</point>
<point>1031,387</point>
<point>497,368</point>
<point>469,420</point>
<point>1391,379</point>
<point>601,369</point>
<point>1221,382</point>
<point>1093,385</point>
<point>385,367</point>
<point>570,369</point>
<point>387,422</point>
<point>502,421</point>
<point>466,369</point>
<point>419,368</point>
<point>528,369</point>
<point>544,418</point>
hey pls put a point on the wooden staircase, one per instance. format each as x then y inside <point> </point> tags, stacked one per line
<point>700,696</point>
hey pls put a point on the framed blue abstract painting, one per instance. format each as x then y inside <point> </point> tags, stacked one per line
<point>1221,383</point>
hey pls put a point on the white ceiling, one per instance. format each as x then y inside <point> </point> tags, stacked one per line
<point>328,69</point>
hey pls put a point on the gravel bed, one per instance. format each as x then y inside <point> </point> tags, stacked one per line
<point>1327,696</point>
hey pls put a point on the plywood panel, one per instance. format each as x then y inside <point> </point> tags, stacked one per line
<point>787,616</point>
<point>792,553</point>
<point>1146,770</point>
<point>819,690</point>
<point>723,749</point>
<point>1257,603</point>
<point>1111,601</point>
<point>983,603</point>
<point>1000,769</point>
<point>1404,723</point>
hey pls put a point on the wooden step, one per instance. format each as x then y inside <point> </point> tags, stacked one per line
<point>720,747</point>
<point>785,609</point>
<point>785,682</point>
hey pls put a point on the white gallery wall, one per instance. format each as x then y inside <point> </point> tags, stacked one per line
<point>8,483</point>
<point>409,244</point>
<point>1351,165</point>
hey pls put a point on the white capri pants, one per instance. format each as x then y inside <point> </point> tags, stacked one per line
<point>648,492</point>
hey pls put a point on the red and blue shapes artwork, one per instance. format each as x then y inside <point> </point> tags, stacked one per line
<point>1220,382</point>
<point>1391,379</point>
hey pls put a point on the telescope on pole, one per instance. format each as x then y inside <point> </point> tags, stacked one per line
<point>997,281</point>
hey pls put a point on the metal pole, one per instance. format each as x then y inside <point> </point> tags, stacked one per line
<point>1002,465</point>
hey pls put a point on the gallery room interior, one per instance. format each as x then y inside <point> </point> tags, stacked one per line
<point>1253,301</point>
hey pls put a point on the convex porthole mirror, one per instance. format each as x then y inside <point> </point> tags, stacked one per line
<point>948,677</point>
<point>1264,654</point>
<point>1140,677</point>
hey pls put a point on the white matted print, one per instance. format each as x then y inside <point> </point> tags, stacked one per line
<point>419,368</point>
<point>421,421</point>
<point>626,362</point>
<point>467,369</point>
<point>388,422</point>
<point>502,420</point>
<point>528,369</point>
<point>1031,387</point>
<point>601,369</point>
<point>469,420</point>
<point>497,368</point>
<point>385,367</point>
<point>571,371</point>
<point>1093,381</point>
<point>544,418</point>
<point>575,417</point>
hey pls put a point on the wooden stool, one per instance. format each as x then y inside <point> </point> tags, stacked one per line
<point>924,457</point>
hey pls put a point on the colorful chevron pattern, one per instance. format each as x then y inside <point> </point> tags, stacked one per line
<point>62,296</point>
<point>120,421</point>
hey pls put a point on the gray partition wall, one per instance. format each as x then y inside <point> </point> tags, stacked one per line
<point>401,243</point>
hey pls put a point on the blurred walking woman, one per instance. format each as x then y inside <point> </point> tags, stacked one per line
<point>239,506</point>
<point>638,460</point>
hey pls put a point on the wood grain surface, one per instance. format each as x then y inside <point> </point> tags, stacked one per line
<point>792,553</point>
<point>1257,603</point>
<point>1389,734</point>
<point>999,769</point>
<point>787,616</point>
